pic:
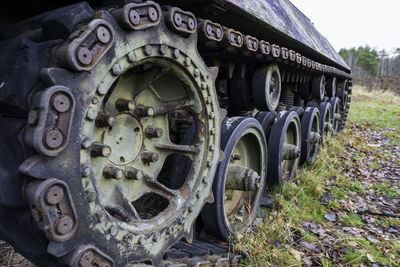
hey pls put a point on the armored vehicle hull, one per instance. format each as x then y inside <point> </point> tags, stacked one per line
<point>142,133</point>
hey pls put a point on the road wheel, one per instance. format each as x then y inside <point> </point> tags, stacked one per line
<point>266,87</point>
<point>284,146</point>
<point>310,136</point>
<point>240,178</point>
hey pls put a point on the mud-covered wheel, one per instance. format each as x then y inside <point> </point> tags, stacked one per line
<point>331,87</point>
<point>239,180</point>
<point>325,111</point>
<point>284,148</point>
<point>310,135</point>
<point>266,87</point>
<point>318,87</point>
<point>336,114</point>
<point>128,130</point>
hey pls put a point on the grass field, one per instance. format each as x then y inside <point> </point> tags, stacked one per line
<point>349,173</point>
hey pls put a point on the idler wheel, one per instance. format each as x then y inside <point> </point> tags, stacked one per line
<point>239,180</point>
<point>318,87</point>
<point>266,87</point>
<point>284,146</point>
<point>310,135</point>
<point>325,111</point>
<point>336,115</point>
<point>331,87</point>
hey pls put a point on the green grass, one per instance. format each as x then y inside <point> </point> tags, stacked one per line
<point>271,244</point>
<point>351,220</point>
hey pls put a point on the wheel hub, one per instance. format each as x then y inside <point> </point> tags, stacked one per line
<point>125,139</point>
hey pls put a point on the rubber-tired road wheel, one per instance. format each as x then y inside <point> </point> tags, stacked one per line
<point>336,116</point>
<point>122,102</point>
<point>325,112</point>
<point>310,135</point>
<point>239,180</point>
<point>284,146</point>
<point>266,87</point>
<point>318,87</point>
<point>331,87</point>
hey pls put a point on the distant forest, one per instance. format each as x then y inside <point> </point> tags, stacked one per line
<point>373,68</point>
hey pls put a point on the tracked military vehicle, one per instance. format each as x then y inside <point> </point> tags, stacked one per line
<point>139,133</point>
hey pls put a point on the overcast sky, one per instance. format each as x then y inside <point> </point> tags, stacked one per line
<point>349,23</point>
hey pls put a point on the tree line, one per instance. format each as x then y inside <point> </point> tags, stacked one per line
<point>373,69</point>
<point>365,61</point>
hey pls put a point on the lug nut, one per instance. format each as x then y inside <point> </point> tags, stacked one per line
<point>124,105</point>
<point>100,150</point>
<point>112,172</point>
<point>143,111</point>
<point>148,156</point>
<point>54,195</point>
<point>133,174</point>
<point>105,120</point>
<point>151,132</point>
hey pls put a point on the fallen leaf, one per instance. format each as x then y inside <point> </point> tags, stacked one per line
<point>370,258</point>
<point>297,254</point>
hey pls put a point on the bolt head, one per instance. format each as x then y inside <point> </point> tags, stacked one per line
<point>54,195</point>
<point>61,103</point>
<point>85,56</point>
<point>209,29</point>
<point>86,170</point>
<point>153,14</point>
<point>106,151</point>
<point>113,230</point>
<point>85,143</point>
<point>134,17</point>
<point>54,138</point>
<point>86,259</point>
<point>64,225</point>
<point>177,19</point>
<point>90,195</point>
<point>103,35</point>
<point>191,23</point>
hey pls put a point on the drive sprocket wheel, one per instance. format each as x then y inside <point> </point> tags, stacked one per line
<point>131,127</point>
<point>240,179</point>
